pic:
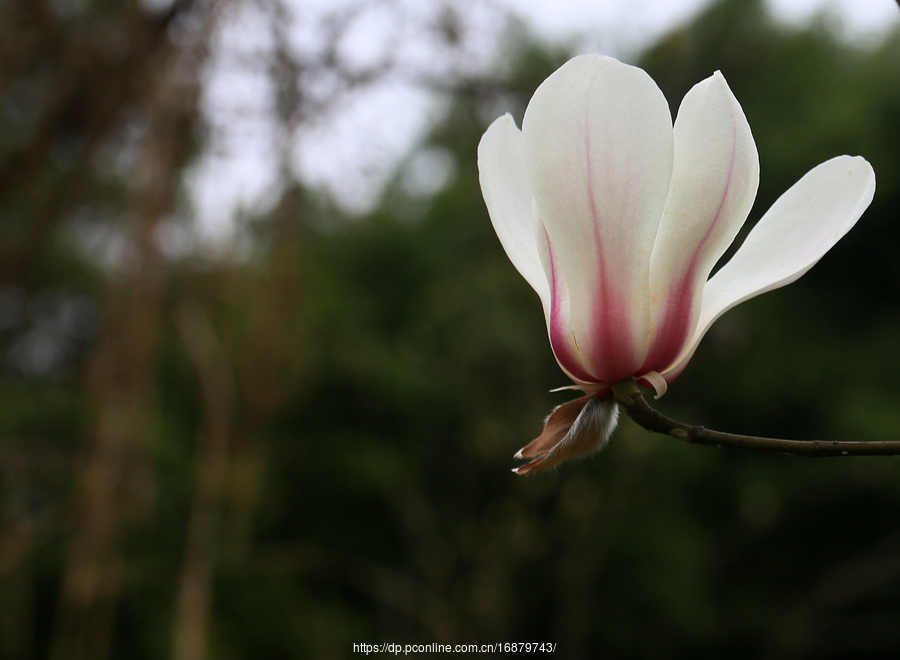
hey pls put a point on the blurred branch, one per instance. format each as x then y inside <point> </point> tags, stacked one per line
<point>123,385</point>
<point>629,396</point>
<point>192,621</point>
<point>97,74</point>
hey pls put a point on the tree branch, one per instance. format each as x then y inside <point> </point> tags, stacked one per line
<point>629,396</point>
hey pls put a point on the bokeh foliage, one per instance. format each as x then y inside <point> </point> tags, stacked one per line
<point>278,455</point>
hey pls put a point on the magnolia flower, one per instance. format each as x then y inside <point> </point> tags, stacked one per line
<point>616,219</point>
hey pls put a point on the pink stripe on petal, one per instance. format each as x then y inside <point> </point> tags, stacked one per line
<point>676,324</point>
<point>612,343</point>
<point>598,141</point>
<point>802,225</point>
<point>673,331</point>
<point>559,328</point>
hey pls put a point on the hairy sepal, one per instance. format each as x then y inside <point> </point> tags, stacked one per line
<point>573,430</point>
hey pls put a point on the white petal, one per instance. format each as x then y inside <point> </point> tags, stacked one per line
<point>507,194</point>
<point>714,182</point>
<point>598,145</point>
<point>802,225</point>
<point>572,360</point>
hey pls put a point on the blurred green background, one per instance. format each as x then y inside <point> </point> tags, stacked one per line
<point>280,450</point>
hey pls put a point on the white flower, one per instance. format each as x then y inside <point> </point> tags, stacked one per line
<point>616,219</point>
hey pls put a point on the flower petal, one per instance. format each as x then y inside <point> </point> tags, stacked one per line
<point>573,362</point>
<point>507,194</point>
<point>802,225</point>
<point>598,147</point>
<point>574,429</point>
<point>714,182</point>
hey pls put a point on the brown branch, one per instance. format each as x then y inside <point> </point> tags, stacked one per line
<point>629,396</point>
<point>194,607</point>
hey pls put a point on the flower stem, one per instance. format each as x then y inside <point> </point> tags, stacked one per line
<point>628,395</point>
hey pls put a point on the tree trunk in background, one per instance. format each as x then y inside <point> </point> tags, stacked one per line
<point>116,476</point>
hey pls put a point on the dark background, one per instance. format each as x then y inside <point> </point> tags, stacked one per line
<point>281,454</point>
